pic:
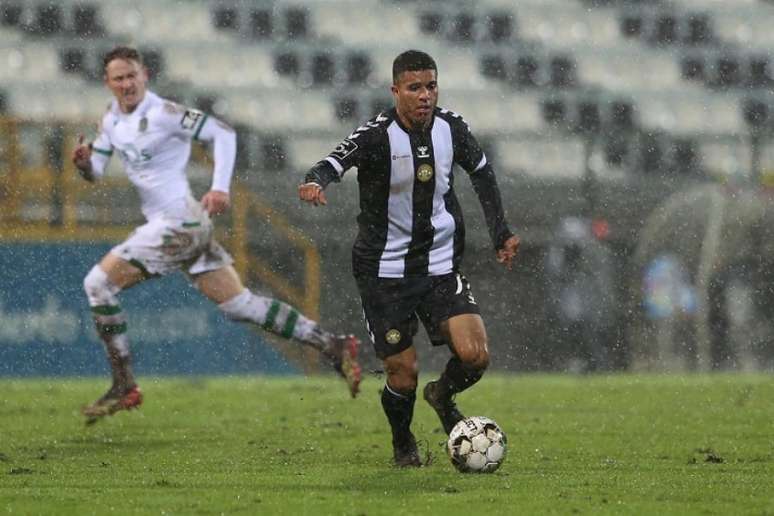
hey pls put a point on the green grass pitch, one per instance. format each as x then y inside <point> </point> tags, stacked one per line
<point>697,444</point>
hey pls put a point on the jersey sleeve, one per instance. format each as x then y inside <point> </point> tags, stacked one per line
<point>192,124</point>
<point>351,152</point>
<point>101,148</point>
<point>224,150</point>
<point>469,155</point>
<point>467,151</point>
<point>186,123</point>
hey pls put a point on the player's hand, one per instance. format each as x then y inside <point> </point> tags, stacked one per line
<point>216,202</point>
<point>82,155</point>
<point>508,252</point>
<point>312,193</point>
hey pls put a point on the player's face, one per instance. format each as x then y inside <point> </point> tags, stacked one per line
<point>126,79</point>
<point>416,94</point>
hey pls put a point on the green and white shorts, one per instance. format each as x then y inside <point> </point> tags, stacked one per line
<point>167,244</point>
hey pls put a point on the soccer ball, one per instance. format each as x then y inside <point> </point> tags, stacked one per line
<point>476,445</point>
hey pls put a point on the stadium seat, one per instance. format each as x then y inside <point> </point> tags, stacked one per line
<point>287,63</point>
<point>322,68</point>
<point>588,118</point>
<point>48,20</point>
<point>493,67</point>
<point>430,22</point>
<point>462,28</point>
<point>261,23</point>
<point>357,66</point>
<point>631,25</point>
<point>699,29</point>
<point>562,72</point>
<point>651,157</point>
<point>622,116</point>
<point>225,18</point>
<point>154,63</point>
<point>760,73</point>
<point>499,26</point>
<point>684,157</point>
<point>727,72</point>
<point>73,60</point>
<point>527,69</point>
<point>347,109</point>
<point>665,31</point>
<point>86,22</point>
<point>10,14</point>
<point>616,149</point>
<point>755,112</point>
<point>296,23</point>
<point>554,111</point>
<point>692,68</point>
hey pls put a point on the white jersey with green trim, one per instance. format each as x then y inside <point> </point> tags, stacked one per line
<point>154,144</point>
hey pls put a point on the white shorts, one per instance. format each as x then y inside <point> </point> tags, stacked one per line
<point>168,244</point>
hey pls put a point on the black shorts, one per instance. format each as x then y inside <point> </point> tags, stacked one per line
<point>392,306</point>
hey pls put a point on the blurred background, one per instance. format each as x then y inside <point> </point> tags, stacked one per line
<point>632,140</point>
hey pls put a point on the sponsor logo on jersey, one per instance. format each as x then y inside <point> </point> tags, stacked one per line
<point>344,149</point>
<point>135,156</point>
<point>402,156</point>
<point>425,172</point>
<point>422,151</point>
<point>392,336</point>
<point>191,118</point>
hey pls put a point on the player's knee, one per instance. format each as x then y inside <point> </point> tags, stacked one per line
<point>99,289</point>
<point>240,307</point>
<point>402,376</point>
<point>474,356</point>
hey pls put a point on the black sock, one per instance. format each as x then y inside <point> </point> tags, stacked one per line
<point>457,376</point>
<point>399,408</point>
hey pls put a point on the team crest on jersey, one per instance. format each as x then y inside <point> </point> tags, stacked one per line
<point>422,151</point>
<point>143,124</point>
<point>344,149</point>
<point>191,118</point>
<point>425,172</point>
<point>392,336</point>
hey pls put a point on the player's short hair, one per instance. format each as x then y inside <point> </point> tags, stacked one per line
<point>121,52</point>
<point>412,61</point>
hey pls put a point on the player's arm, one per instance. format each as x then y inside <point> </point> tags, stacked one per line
<point>90,159</point>
<point>332,168</point>
<point>196,125</point>
<point>469,155</point>
<point>224,148</point>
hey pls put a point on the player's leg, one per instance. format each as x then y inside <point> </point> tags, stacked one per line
<point>102,285</point>
<point>388,307</point>
<point>453,318</point>
<point>398,397</point>
<point>223,287</point>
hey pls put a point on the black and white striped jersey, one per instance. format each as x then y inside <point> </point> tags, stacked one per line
<point>410,222</point>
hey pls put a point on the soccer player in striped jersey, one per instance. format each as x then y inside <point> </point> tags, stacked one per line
<point>407,255</point>
<point>152,136</point>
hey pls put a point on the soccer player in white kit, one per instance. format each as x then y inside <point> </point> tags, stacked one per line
<point>153,138</point>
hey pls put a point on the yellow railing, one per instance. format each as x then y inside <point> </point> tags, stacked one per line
<point>247,204</point>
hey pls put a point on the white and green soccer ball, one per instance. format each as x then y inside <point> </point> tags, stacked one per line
<point>476,445</point>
